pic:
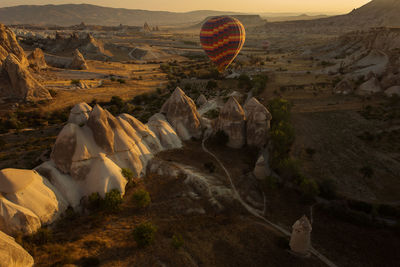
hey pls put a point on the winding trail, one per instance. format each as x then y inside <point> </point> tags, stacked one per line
<point>253,211</point>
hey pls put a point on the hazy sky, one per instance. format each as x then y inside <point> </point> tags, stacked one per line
<point>258,6</point>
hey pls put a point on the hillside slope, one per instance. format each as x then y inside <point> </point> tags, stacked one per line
<point>65,15</point>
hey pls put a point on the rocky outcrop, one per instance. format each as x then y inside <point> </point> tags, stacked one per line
<point>371,86</point>
<point>12,254</point>
<point>36,59</point>
<point>258,123</point>
<point>232,121</point>
<point>28,189</point>
<point>201,100</point>
<point>79,113</point>
<point>181,113</point>
<point>22,84</point>
<point>9,44</point>
<point>93,147</point>
<point>15,218</point>
<point>300,239</point>
<point>345,87</point>
<point>394,90</point>
<point>78,61</point>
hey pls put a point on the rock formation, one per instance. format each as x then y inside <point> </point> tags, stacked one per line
<point>345,86</point>
<point>28,189</point>
<point>93,147</point>
<point>369,87</point>
<point>22,84</point>
<point>12,254</point>
<point>300,239</point>
<point>394,90</point>
<point>201,100</point>
<point>258,123</point>
<point>9,44</point>
<point>36,59</point>
<point>181,113</point>
<point>79,113</point>
<point>78,61</point>
<point>232,121</point>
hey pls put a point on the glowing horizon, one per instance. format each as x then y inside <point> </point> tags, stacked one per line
<point>249,6</point>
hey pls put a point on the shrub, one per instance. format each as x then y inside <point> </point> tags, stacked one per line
<point>112,200</point>
<point>117,101</point>
<point>209,166</point>
<point>309,188</point>
<point>212,114</point>
<point>360,206</point>
<point>221,137</point>
<point>127,173</point>
<point>121,81</point>
<point>367,171</point>
<point>211,84</point>
<point>328,189</point>
<point>141,198</point>
<point>144,234</point>
<point>53,92</point>
<point>94,201</point>
<point>89,262</point>
<point>177,241</point>
<point>245,82</point>
<point>41,237</point>
<point>280,110</point>
<point>310,151</point>
<point>112,78</point>
<point>75,82</point>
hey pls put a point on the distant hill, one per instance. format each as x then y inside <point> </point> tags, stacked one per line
<point>377,13</point>
<point>246,20</point>
<point>298,17</point>
<point>66,15</point>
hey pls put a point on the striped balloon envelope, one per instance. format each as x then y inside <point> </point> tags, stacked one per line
<point>222,38</point>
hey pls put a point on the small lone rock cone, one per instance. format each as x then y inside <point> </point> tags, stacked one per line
<point>300,240</point>
<point>201,100</point>
<point>36,59</point>
<point>78,61</point>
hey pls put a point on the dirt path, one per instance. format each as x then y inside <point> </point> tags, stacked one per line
<point>256,212</point>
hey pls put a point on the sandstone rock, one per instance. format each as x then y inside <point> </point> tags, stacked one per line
<point>181,113</point>
<point>12,254</point>
<point>78,61</point>
<point>300,239</point>
<point>232,121</point>
<point>258,123</point>
<point>36,59</point>
<point>15,218</point>
<point>369,87</point>
<point>80,113</point>
<point>28,189</point>
<point>394,90</point>
<point>345,86</point>
<point>23,85</point>
<point>201,100</point>
<point>164,132</point>
<point>9,44</point>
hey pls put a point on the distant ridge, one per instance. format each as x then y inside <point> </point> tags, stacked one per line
<point>72,14</point>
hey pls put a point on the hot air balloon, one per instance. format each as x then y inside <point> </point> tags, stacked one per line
<point>222,38</point>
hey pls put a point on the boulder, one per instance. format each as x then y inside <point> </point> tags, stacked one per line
<point>258,123</point>
<point>164,132</point>
<point>30,190</point>
<point>300,241</point>
<point>12,254</point>
<point>78,61</point>
<point>232,120</point>
<point>371,86</point>
<point>9,45</point>
<point>394,90</point>
<point>181,113</point>
<point>79,113</point>
<point>345,87</point>
<point>36,59</point>
<point>201,100</point>
<point>23,84</point>
<point>15,218</point>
